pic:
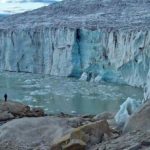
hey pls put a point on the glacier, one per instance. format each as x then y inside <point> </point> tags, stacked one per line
<point>93,46</point>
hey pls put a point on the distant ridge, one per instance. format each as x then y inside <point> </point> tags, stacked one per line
<point>117,14</point>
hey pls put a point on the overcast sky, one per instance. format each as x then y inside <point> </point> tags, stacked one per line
<point>17,6</point>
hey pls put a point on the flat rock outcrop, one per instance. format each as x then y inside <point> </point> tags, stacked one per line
<point>11,109</point>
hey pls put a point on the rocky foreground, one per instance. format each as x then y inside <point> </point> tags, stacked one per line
<point>28,128</point>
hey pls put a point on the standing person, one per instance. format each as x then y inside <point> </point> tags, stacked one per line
<point>5,97</point>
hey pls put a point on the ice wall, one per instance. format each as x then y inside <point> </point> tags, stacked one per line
<point>113,55</point>
<point>48,51</point>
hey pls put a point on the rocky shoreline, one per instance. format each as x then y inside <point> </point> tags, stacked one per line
<point>25,128</point>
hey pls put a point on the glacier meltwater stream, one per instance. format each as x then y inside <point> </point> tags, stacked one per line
<point>59,94</point>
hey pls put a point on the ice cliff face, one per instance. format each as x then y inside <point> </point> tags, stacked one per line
<point>113,55</point>
<point>48,51</point>
<point>103,40</point>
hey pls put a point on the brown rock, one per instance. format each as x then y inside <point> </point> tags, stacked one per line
<point>15,108</point>
<point>90,134</point>
<point>19,110</point>
<point>75,145</point>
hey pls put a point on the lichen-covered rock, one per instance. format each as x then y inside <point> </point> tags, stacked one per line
<point>89,134</point>
<point>140,120</point>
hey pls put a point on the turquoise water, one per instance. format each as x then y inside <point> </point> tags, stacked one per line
<point>59,94</point>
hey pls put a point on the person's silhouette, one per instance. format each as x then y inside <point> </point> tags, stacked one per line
<point>5,97</point>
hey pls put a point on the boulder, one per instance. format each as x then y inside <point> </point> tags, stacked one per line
<point>18,109</point>
<point>140,120</point>
<point>126,110</point>
<point>86,135</point>
<point>15,108</point>
<point>92,133</point>
<point>29,133</point>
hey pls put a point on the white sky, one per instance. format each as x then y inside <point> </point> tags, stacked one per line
<point>17,6</point>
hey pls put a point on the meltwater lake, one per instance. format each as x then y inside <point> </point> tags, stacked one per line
<point>59,94</point>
